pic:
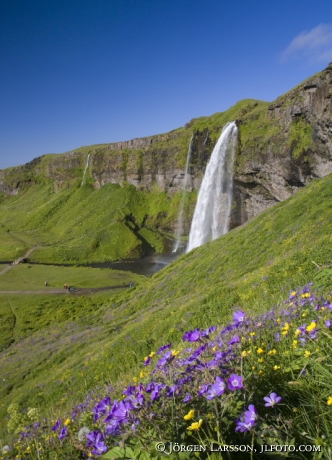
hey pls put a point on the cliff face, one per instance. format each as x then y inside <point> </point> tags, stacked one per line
<point>281,147</point>
<point>298,151</point>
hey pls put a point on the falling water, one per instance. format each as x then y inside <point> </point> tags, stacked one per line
<point>179,227</point>
<point>85,170</point>
<point>212,212</point>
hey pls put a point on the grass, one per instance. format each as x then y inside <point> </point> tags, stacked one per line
<point>33,277</point>
<point>93,340</point>
<point>81,225</point>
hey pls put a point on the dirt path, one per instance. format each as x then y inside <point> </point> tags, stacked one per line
<point>17,261</point>
<point>78,291</point>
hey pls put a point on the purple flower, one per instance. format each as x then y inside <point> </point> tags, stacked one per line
<point>63,433</point>
<point>187,398</point>
<point>208,331</point>
<point>251,414</point>
<point>156,391</point>
<point>235,339</point>
<point>204,389</point>
<point>113,428</point>
<point>272,400</point>
<point>328,323</point>
<point>243,425</point>
<point>217,389</point>
<point>163,348</point>
<point>147,361</point>
<point>129,391</point>
<point>96,440</point>
<point>56,426</point>
<point>137,401</point>
<point>149,387</point>
<point>102,408</point>
<point>239,316</point>
<point>165,359</point>
<point>170,391</point>
<point>192,336</point>
<point>91,437</point>
<point>122,412</point>
<point>235,382</point>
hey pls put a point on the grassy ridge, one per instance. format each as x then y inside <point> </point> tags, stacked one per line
<point>251,267</point>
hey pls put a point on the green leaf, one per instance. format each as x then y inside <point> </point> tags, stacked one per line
<point>116,453</point>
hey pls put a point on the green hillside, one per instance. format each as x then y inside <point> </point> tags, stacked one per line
<point>94,340</point>
<point>80,224</point>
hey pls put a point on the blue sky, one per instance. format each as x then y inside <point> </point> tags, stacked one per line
<point>81,72</point>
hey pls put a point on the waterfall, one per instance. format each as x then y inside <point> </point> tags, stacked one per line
<point>179,227</point>
<point>85,170</point>
<point>213,207</point>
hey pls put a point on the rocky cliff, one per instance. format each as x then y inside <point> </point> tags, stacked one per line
<point>282,146</point>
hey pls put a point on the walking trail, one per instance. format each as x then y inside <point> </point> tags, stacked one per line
<point>78,291</point>
<point>17,261</point>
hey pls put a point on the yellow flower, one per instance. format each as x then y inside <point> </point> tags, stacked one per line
<point>329,401</point>
<point>284,332</point>
<point>307,354</point>
<point>152,354</point>
<point>260,351</point>
<point>260,372</point>
<point>276,368</point>
<point>295,342</point>
<point>253,368</point>
<point>252,334</point>
<point>214,348</point>
<point>272,352</point>
<point>175,352</point>
<point>304,315</point>
<point>285,327</point>
<point>244,354</point>
<point>67,422</point>
<point>135,379</point>
<point>278,320</point>
<point>311,326</point>
<point>195,425</point>
<point>306,295</point>
<point>190,415</point>
<point>297,332</point>
<point>293,294</point>
<point>261,360</point>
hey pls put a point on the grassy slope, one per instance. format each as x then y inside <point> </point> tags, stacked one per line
<point>82,224</point>
<point>89,341</point>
